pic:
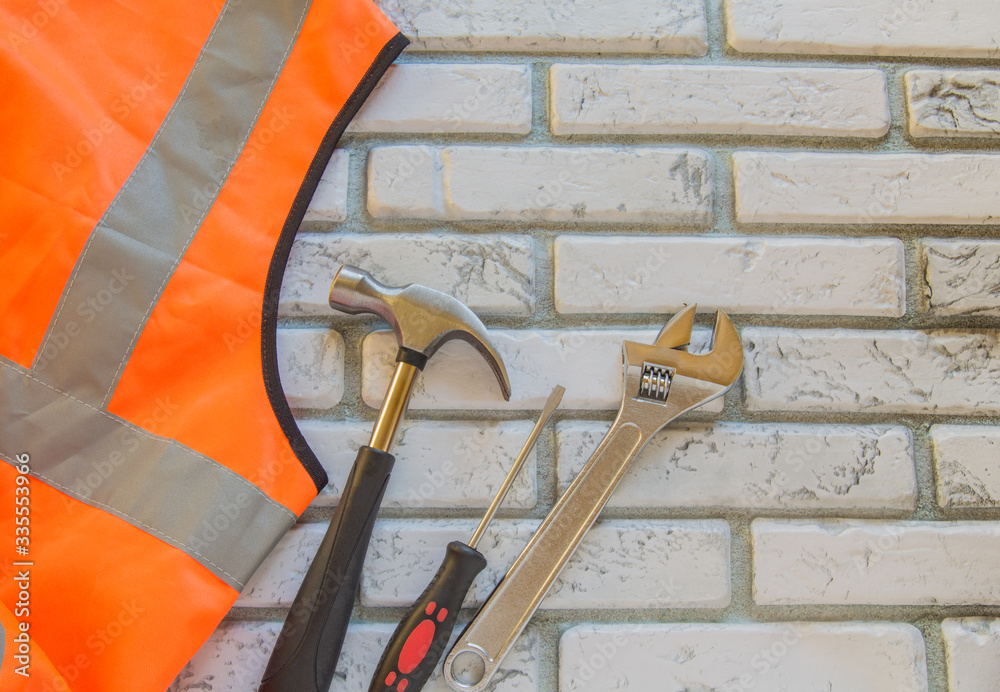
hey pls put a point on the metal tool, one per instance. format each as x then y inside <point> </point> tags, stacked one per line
<point>305,655</point>
<point>417,644</point>
<point>660,383</point>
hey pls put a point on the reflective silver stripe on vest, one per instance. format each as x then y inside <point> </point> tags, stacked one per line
<point>56,410</point>
<point>213,514</point>
<point>138,243</point>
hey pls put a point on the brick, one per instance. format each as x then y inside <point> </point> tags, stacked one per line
<point>311,367</point>
<point>945,28</point>
<point>415,97</point>
<point>878,563</point>
<point>757,466</point>
<point>967,461</point>
<point>719,100</point>
<point>620,564</point>
<point>663,185</point>
<point>800,656</point>
<point>440,464</point>
<point>936,372</point>
<point>648,26</point>
<point>866,188</point>
<point>329,202</point>
<point>235,656</point>
<point>536,360</point>
<point>799,276</point>
<point>972,648</point>
<point>492,274</point>
<point>232,660</point>
<point>962,276</point>
<point>953,103</point>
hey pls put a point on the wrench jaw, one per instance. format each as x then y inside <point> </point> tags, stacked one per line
<point>677,332</point>
<point>663,382</point>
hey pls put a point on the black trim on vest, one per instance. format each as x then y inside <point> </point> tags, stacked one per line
<point>269,318</point>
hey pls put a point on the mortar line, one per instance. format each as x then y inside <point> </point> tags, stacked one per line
<point>758,614</point>
<point>539,86</point>
<point>894,142</point>
<point>716,30</point>
<point>923,458</point>
<point>741,570</point>
<point>719,53</point>
<point>937,675</point>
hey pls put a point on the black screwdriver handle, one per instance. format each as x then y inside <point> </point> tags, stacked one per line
<point>305,656</point>
<point>418,643</point>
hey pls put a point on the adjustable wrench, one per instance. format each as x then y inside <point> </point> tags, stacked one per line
<point>661,383</point>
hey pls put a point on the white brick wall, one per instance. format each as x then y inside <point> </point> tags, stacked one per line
<point>805,657</point>
<point>491,274</point>
<point>866,189</point>
<point>963,276</point>
<point>442,464</point>
<point>967,464</point>
<point>329,202</point>
<point>641,99</point>
<point>956,372</point>
<point>953,103</point>
<point>655,26</point>
<point>973,650</point>
<point>874,563</point>
<point>666,185</point>
<point>827,172</point>
<point>658,564</point>
<point>311,367</point>
<point>235,657</point>
<point>776,467</point>
<point>449,98</point>
<point>810,276</point>
<point>941,28</point>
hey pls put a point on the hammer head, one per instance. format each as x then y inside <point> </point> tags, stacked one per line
<point>422,318</point>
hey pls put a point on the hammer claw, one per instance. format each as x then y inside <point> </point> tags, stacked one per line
<point>422,318</point>
<point>483,344</point>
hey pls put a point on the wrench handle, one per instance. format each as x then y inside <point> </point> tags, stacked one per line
<point>492,633</point>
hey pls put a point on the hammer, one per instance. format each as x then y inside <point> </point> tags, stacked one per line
<point>305,656</point>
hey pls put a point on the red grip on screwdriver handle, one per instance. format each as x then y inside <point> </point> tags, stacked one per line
<point>418,643</point>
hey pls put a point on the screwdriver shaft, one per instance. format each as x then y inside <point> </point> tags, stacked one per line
<point>554,398</point>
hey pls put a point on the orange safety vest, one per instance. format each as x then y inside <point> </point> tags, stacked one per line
<point>156,159</point>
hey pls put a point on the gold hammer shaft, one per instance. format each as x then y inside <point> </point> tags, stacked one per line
<point>397,398</point>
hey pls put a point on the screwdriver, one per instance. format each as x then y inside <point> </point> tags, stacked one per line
<point>417,644</point>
